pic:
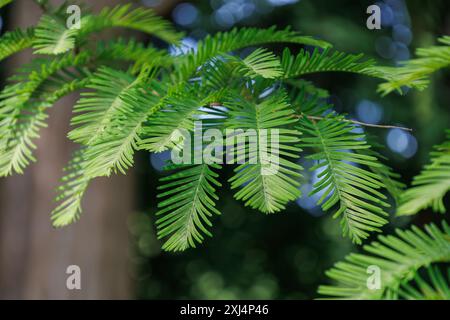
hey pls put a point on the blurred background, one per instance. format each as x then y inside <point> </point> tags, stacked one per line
<point>252,255</point>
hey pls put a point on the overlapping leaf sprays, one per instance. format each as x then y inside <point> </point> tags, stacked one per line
<point>414,263</point>
<point>135,97</point>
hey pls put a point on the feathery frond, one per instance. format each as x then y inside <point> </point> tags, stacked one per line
<point>398,257</point>
<point>343,179</point>
<point>74,185</point>
<point>181,108</point>
<point>140,19</point>
<point>17,148</point>
<point>220,73</point>
<point>95,110</point>
<point>138,96</point>
<point>12,42</point>
<point>225,42</point>
<point>385,172</point>
<point>263,63</point>
<point>416,72</point>
<point>189,204</point>
<point>437,288</point>
<point>131,51</point>
<point>22,113</point>
<point>329,60</point>
<point>53,36</point>
<point>430,186</point>
<point>41,77</point>
<point>178,113</point>
<point>266,179</point>
<point>114,145</point>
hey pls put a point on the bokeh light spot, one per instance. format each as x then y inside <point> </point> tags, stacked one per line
<point>402,142</point>
<point>185,14</point>
<point>402,33</point>
<point>401,52</point>
<point>369,112</point>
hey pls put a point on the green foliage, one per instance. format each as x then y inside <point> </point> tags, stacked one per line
<point>330,61</point>
<point>430,186</point>
<point>190,196</point>
<point>112,141</point>
<point>137,97</point>
<point>399,258</point>
<point>4,3</point>
<point>421,289</point>
<point>53,36</point>
<point>264,63</point>
<point>179,110</point>
<point>270,181</point>
<point>97,108</point>
<point>415,72</point>
<point>15,41</point>
<point>388,176</point>
<point>343,180</point>
<point>224,42</point>
<point>22,114</point>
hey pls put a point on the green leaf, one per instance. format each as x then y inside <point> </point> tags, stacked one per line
<point>15,41</point>
<point>343,180</point>
<point>330,60</point>
<point>266,179</point>
<point>53,36</point>
<point>431,185</point>
<point>96,109</point>
<point>75,184</point>
<point>398,257</point>
<point>113,148</point>
<point>437,288</point>
<point>181,108</point>
<point>178,113</point>
<point>23,108</point>
<point>189,203</point>
<point>416,72</point>
<point>225,42</point>
<point>141,19</point>
<point>263,63</point>
<point>16,150</point>
<point>390,178</point>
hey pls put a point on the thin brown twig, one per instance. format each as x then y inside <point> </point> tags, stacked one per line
<point>383,126</point>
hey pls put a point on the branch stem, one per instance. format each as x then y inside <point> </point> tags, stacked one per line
<point>314,118</point>
<point>383,126</point>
